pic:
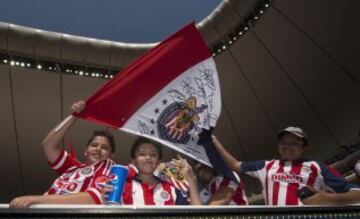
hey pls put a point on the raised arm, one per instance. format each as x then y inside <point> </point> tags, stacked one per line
<point>51,144</point>
<point>230,160</point>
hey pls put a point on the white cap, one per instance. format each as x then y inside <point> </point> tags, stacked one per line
<point>295,131</point>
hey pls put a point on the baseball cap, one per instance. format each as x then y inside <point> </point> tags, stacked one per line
<point>295,131</point>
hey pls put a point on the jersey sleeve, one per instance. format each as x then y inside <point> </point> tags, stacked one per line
<point>64,162</point>
<point>254,168</point>
<point>100,178</point>
<point>336,183</point>
<point>133,171</point>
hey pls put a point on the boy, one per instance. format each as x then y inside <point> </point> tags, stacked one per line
<point>283,179</point>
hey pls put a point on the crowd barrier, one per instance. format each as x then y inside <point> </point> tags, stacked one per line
<point>182,212</point>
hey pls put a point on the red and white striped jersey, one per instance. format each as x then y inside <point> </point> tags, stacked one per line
<point>139,194</point>
<point>239,198</point>
<point>282,179</point>
<point>76,177</point>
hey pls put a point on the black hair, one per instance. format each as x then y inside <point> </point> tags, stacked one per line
<point>141,140</point>
<point>106,134</point>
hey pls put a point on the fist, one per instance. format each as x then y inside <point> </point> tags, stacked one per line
<point>77,106</point>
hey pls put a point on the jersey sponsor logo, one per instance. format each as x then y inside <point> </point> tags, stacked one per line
<point>101,181</point>
<point>286,177</point>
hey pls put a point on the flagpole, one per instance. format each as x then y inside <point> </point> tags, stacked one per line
<point>57,128</point>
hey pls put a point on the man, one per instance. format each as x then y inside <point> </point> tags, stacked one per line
<point>292,177</point>
<point>78,183</point>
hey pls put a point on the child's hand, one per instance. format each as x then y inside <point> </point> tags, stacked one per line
<point>185,168</point>
<point>105,191</point>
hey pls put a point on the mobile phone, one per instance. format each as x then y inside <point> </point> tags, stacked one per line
<point>304,193</point>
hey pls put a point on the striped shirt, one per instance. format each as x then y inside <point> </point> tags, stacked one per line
<point>76,177</point>
<point>282,179</point>
<point>239,197</point>
<point>138,193</point>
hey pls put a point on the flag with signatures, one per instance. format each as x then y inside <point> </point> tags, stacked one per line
<point>170,94</point>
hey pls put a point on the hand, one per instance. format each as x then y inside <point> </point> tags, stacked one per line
<point>77,106</point>
<point>214,138</point>
<point>185,168</point>
<point>320,197</point>
<point>23,201</point>
<point>104,192</point>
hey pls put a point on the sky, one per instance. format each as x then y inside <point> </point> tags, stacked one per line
<point>132,21</point>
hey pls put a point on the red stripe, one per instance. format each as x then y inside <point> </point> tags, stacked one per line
<point>313,175</point>
<point>224,182</point>
<point>65,166</point>
<point>238,196</point>
<point>334,171</point>
<point>145,77</point>
<point>86,183</point>
<point>167,188</point>
<point>99,166</point>
<point>68,163</point>
<point>148,193</point>
<point>268,167</point>
<point>291,197</point>
<point>96,199</point>
<point>51,191</point>
<point>276,185</point>
<point>128,195</point>
<point>213,187</point>
<point>132,172</point>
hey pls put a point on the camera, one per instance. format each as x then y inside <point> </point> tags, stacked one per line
<point>304,193</point>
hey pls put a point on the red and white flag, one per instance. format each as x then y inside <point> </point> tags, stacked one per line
<point>170,94</point>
